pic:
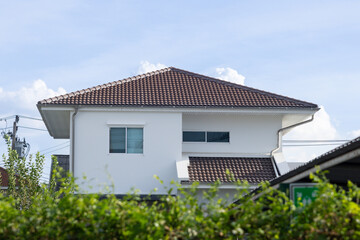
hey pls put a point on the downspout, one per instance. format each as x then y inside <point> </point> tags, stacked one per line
<point>278,137</point>
<point>73,140</point>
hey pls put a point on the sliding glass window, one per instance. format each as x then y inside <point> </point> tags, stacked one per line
<point>126,140</point>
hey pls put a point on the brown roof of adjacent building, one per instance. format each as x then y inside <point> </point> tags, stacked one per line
<point>172,87</point>
<point>211,169</point>
<point>326,157</point>
<point>4,178</point>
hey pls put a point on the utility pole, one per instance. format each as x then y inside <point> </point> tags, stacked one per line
<point>14,132</point>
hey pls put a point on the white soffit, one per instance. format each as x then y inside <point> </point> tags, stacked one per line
<point>57,122</point>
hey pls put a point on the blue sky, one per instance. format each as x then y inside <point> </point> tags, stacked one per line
<point>303,49</point>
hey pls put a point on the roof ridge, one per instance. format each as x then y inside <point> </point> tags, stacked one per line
<point>105,85</point>
<point>287,101</point>
<point>239,86</point>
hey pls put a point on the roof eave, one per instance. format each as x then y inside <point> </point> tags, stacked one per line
<point>314,109</point>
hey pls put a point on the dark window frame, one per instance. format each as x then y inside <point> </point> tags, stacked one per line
<point>206,139</point>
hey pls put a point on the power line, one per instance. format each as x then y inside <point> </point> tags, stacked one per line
<point>9,117</point>
<point>316,140</point>
<point>56,149</point>
<point>32,118</point>
<point>22,116</point>
<point>33,128</point>
<point>311,145</point>
<point>54,146</point>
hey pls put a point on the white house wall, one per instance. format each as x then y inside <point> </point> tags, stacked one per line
<point>249,134</point>
<point>161,150</point>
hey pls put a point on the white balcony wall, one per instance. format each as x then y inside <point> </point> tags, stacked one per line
<point>250,135</point>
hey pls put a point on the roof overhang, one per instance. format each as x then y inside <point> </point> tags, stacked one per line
<point>185,109</point>
<point>57,120</point>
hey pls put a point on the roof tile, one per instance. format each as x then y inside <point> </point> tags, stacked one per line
<point>172,87</point>
<point>210,169</point>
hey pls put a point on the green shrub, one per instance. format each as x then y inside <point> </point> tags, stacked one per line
<point>48,214</point>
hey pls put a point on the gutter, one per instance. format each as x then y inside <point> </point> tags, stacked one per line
<point>73,140</point>
<point>285,128</point>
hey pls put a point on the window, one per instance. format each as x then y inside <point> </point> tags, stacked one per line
<point>189,136</point>
<point>202,136</point>
<point>218,137</point>
<point>126,140</point>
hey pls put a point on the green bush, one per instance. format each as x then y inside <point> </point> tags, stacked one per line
<point>64,215</point>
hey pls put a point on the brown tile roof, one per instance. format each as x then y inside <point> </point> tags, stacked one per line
<point>172,87</point>
<point>4,178</point>
<point>209,169</point>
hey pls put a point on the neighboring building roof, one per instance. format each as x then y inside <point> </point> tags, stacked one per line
<point>210,169</point>
<point>326,157</point>
<point>348,152</point>
<point>4,177</point>
<point>172,87</point>
<point>64,163</point>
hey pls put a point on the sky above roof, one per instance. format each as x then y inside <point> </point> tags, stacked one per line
<point>308,50</point>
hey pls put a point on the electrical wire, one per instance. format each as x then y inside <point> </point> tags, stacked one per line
<point>33,128</point>
<point>311,145</point>
<point>54,146</point>
<point>5,118</point>
<point>5,128</point>
<point>316,140</point>
<point>56,149</point>
<point>32,118</point>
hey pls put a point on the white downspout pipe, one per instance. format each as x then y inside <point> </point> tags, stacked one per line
<point>73,141</point>
<point>285,128</point>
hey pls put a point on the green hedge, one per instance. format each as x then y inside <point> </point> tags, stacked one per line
<point>334,215</point>
<point>29,210</point>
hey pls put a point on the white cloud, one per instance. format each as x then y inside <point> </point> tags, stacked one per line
<point>27,97</point>
<point>355,133</point>
<point>145,67</point>
<point>231,75</point>
<point>320,128</point>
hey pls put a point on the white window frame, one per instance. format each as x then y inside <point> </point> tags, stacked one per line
<point>126,126</point>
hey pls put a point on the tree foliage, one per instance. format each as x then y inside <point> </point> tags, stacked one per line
<point>48,214</point>
<point>23,176</point>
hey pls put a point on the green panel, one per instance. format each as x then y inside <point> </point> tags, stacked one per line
<point>304,193</point>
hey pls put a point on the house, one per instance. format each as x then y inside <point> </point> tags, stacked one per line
<point>341,164</point>
<point>176,124</point>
